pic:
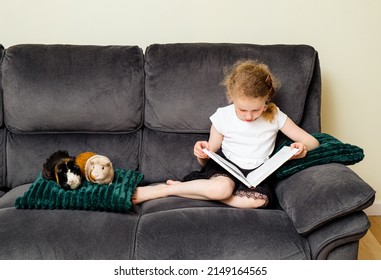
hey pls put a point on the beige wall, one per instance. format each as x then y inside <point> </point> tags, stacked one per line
<point>346,34</point>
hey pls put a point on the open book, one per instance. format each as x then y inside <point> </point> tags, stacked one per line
<point>262,172</point>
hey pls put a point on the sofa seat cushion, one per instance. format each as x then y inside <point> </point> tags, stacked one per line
<point>219,233</point>
<point>116,197</point>
<point>66,234</point>
<point>330,150</point>
<point>175,202</point>
<point>9,199</point>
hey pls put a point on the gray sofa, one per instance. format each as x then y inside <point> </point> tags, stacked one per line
<point>145,110</point>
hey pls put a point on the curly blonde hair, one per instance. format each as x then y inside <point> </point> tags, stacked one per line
<point>248,78</point>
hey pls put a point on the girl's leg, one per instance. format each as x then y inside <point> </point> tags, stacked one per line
<point>245,202</point>
<point>215,188</point>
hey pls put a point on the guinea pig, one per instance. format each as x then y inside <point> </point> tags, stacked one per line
<point>99,169</point>
<point>61,168</point>
<point>81,160</point>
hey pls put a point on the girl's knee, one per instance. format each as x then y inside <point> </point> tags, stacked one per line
<point>221,188</point>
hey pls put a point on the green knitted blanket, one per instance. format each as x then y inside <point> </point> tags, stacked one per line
<point>116,197</point>
<point>330,150</point>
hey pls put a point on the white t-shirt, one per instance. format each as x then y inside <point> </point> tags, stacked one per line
<point>247,144</point>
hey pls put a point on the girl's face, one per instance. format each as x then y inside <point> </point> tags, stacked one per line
<point>248,109</point>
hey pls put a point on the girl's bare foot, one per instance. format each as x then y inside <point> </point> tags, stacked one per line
<point>172,182</point>
<point>145,193</point>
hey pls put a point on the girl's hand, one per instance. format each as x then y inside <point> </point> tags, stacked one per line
<point>302,150</point>
<point>198,149</point>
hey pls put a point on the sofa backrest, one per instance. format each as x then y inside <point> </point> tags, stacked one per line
<point>75,98</point>
<point>183,88</point>
<point>183,82</point>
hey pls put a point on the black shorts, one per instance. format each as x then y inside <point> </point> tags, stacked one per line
<point>213,169</point>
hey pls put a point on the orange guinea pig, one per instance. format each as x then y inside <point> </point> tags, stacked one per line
<point>81,160</point>
<point>96,168</point>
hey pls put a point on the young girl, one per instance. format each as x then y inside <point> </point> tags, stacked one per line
<point>244,133</point>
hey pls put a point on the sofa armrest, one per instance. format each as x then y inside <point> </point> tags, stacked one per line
<point>319,194</point>
<point>338,233</point>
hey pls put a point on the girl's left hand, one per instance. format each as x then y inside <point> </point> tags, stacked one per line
<point>302,150</point>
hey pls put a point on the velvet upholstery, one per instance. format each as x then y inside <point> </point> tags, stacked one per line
<point>66,234</point>
<point>227,239</point>
<point>73,88</point>
<point>162,152</point>
<point>202,89</point>
<point>145,113</point>
<point>3,167</point>
<point>320,188</point>
<point>327,237</point>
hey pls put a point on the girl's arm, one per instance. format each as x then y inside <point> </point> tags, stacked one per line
<point>302,140</point>
<point>214,144</point>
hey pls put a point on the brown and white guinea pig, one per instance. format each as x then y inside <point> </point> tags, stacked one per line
<point>95,168</point>
<point>62,168</point>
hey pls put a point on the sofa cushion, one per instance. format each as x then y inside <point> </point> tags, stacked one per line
<point>168,155</point>
<point>116,197</point>
<point>319,194</point>
<point>330,150</point>
<point>65,88</point>
<point>219,233</point>
<point>183,81</point>
<point>176,202</point>
<point>3,164</point>
<point>9,198</point>
<point>66,234</point>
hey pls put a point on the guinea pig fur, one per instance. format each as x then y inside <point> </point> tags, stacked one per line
<point>99,170</point>
<point>81,160</point>
<point>61,168</point>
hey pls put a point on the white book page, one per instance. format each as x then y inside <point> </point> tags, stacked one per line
<point>258,175</point>
<point>262,172</point>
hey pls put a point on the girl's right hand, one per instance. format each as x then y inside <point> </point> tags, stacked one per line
<point>198,149</point>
